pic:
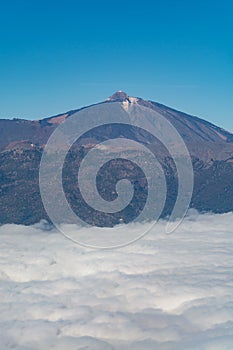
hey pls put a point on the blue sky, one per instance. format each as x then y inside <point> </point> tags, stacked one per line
<point>60,55</point>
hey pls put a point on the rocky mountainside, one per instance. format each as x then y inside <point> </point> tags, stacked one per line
<point>22,143</point>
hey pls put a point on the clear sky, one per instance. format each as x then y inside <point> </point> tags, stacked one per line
<point>60,55</point>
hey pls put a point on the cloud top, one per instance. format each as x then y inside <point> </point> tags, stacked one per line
<point>163,292</point>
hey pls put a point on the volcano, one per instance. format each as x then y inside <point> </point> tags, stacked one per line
<point>22,144</point>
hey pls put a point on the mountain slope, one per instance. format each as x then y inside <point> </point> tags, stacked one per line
<point>203,139</point>
<point>22,143</point>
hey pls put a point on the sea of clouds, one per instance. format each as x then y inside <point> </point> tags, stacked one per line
<point>170,292</point>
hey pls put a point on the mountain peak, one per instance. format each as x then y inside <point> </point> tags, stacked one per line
<point>119,95</point>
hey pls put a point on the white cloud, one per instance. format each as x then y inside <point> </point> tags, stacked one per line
<point>163,292</point>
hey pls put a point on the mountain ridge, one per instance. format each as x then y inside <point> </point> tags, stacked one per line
<point>22,143</point>
<point>38,131</point>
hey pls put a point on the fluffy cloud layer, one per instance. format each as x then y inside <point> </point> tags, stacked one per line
<point>163,292</point>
